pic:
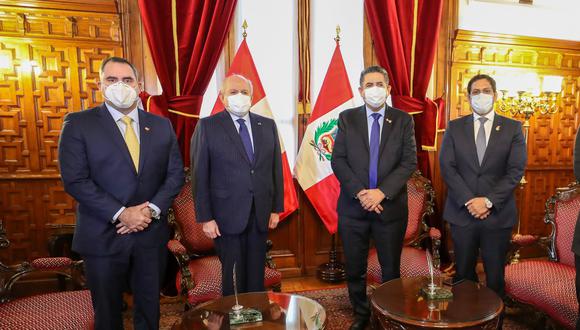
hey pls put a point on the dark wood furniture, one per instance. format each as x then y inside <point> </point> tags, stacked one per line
<point>279,311</point>
<point>398,304</point>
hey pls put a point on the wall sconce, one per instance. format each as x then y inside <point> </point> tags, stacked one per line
<point>530,97</point>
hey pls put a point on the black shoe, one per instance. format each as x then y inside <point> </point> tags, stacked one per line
<point>359,324</point>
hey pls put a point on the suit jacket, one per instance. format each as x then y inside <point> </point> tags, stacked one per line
<point>576,238</point>
<point>496,178</point>
<point>225,184</point>
<point>97,171</point>
<point>577,156</point>
<point>397,161</point>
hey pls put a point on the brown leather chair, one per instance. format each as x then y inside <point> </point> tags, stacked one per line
<point>199,278</point>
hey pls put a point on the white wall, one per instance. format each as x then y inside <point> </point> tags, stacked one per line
<point>325,15</point>
<point>557,19</point>
<point>272,39</point>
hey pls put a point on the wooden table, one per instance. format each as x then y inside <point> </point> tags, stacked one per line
<point>279,311</point>
<point>398,304</point>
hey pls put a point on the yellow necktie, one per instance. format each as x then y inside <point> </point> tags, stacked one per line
<point>131,141</point>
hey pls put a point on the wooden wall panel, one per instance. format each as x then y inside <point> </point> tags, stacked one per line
<point>49,63</point>
<point>551,137</point>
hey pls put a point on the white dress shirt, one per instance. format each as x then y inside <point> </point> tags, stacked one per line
<point>487,126</point>
<point>134,115</point>
<point>248,125</point>
<point>371,120</point>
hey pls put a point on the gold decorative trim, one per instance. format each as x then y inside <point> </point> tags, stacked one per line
<point>183,113</point>
<point>414,44</point>
<point>175,46</point>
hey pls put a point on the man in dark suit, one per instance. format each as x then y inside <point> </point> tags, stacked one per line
<point>237,184</point>
<point>483,157</point>
<point>576,239</point>
<point>123,167</point>
<point>374,155</point>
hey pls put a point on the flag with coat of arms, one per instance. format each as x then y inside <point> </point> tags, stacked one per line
<point>313,170</point>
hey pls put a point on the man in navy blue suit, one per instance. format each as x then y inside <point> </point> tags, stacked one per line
<point>374,155</point>
<point>483,157</point>
<point>237,184</point>
<point>123,167</point>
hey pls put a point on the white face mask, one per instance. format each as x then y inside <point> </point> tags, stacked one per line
<point>239,104</point>
<point>482,103</point>
<point>121,95</point>
<point>375,96</point>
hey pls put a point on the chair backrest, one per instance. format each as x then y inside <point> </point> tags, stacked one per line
<point>562,213</point>
<point>420,199</point>
<point>188,231</point>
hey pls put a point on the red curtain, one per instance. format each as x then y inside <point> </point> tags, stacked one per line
<point>199,28</point>
<point>405,34</point>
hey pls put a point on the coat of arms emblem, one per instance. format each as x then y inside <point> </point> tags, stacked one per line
<point>324,136</point>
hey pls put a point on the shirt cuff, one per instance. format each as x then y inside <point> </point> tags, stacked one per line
<point>155,207</point>
<point>116,216</point>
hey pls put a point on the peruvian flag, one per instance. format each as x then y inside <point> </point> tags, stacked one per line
<point>313,170</point>
<point>243,64</point>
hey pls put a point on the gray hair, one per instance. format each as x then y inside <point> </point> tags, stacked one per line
<point>373,69</point>
<point>248,81</point>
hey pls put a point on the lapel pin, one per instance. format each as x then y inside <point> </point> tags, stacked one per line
<point>497,128</point>
<point>147,129</point>
<point>388,120</point>
<point>259,123</point>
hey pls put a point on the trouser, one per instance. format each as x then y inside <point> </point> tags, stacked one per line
<point>355,235</point>
<point>248,252</point>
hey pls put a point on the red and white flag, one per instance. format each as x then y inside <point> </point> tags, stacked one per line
<point>243,64</point>
<point>313,170</point>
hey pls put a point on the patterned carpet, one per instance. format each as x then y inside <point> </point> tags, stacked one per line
<point>337,306</point>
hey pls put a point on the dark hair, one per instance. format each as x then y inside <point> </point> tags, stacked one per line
<point>479,77</point>
<point>372,69</point>
<point>116,59</point>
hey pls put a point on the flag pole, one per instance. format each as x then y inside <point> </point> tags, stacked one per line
<point>333,270</point>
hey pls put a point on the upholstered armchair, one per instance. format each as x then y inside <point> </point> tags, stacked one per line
<point>421,198</point>
<point>199,276</point>
<point>548,285</point>
<point>57,310</point>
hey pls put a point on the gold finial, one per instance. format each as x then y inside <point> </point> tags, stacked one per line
<point>337,39</point>
<point>244,26</point>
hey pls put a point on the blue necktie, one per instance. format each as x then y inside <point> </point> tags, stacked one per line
<point>246,139</point>
<point>374,152</point>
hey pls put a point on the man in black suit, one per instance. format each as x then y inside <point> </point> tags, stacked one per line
<point>576,239</point>
<point>123,167</point>
<point>374,155</point>
<point>237,184</point>
<point>483,157</point>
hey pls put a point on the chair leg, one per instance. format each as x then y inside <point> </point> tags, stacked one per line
<point>277,287</point>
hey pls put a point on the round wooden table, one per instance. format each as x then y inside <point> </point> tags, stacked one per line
<point>398,304</point>
<point>279,311</point>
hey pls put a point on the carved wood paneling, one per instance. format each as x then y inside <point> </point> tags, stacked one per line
<point>49,64</point>
<point>551,137</point>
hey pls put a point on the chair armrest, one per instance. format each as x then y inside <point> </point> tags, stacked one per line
<point>51,263</point>
<point>520,241</point>
<point>434,233</point>
<point>176,247</point>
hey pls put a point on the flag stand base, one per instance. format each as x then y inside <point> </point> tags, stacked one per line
<point>332,271</point>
